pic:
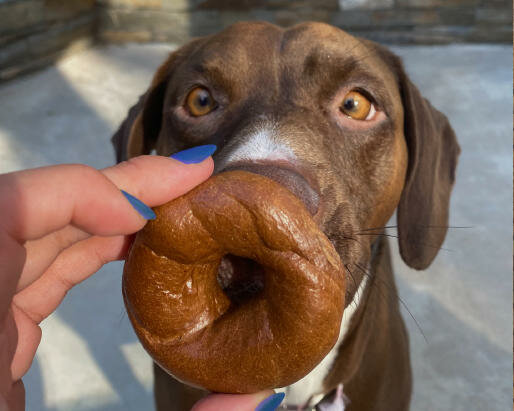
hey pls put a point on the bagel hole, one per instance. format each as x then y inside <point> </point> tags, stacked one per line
<point>241,279</point>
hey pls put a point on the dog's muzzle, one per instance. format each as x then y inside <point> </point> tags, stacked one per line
<point>286,176</point>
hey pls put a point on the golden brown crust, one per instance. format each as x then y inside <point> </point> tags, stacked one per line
<point>188,324</point>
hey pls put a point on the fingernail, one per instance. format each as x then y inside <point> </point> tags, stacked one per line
<point>145,211</point>
<point>271,403</point>
<point>195,155</point>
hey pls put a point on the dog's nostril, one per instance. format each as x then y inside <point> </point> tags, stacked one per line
<point>241,279</point>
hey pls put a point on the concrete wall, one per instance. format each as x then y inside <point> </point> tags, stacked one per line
<point>390,21</point>
<point>33,33</point>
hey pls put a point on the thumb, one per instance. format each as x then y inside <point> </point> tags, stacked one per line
<point>261,401</point>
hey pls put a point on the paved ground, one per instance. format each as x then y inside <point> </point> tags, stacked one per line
<point>90,359</point>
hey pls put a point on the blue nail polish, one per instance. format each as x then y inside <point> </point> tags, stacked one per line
<point>194,155</point>
<point>271,403</point>
<point>140,207</point>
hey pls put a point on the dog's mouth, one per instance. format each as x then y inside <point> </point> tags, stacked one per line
<point>240,278</point>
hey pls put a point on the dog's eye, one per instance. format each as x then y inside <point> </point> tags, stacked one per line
<point>357,106</point>
<point>200,102</point>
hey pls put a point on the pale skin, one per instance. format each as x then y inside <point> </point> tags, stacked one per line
<point>58,226</point>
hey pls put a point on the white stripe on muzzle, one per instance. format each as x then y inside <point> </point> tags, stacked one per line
<point>260,144</point>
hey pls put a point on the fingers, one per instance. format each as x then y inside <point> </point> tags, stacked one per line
<point>233,402</point>
<point>42,252</point>
<point>73,265</point>
<point>12,258</point>
<point>75,201</point>
<point>37,301</point>
<point>36,202</point>
<point>93,203</point>
<point>14,399</point>
<point>29,336</point>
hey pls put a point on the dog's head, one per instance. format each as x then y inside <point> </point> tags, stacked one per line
<point>332,117</point>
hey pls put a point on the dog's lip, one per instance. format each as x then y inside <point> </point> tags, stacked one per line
<point>295,178</point>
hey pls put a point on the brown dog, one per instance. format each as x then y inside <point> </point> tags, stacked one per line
<point>336,120</point>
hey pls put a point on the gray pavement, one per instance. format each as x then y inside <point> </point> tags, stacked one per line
<point>90,359</point>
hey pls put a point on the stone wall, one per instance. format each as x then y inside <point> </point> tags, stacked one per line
<point>34,33</point>
<point>388,21</point>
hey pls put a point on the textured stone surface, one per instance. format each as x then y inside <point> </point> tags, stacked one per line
<point>89,358</point>
<point>399,21</point>
<point>365,4</point>
<point>29,15</point>
<point>34,33</point>
<point>435,3</point>
<point>145,25</point>
<point>492,16</point>
<point>37,32</point>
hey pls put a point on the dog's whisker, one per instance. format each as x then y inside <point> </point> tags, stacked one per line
<point>365,272</point>
<point>378,228</point>
<point>414,242</point>
<point>121,318</point>
<point>445,226</point>
<point>355,303</point>
<point>351,275</point>
<point>442,227</point>
<point>371,277</point>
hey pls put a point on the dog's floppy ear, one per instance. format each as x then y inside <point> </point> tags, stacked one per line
<point>139,131</point>
<point>433,152</point>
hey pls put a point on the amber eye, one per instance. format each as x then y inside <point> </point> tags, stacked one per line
<point>356,106</point>
<point>200,102</point>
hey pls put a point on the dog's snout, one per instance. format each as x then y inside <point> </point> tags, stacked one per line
<point>293,180</point>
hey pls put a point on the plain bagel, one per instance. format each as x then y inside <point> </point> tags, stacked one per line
<point>236,224</point>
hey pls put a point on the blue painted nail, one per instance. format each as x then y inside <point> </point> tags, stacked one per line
<point>195,155</point>
<point>271,403</point>
<point>140,207</point>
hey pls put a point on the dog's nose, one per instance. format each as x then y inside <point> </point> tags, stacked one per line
<point>287,176</point>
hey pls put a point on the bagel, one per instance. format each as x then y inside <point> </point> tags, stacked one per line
<point>235,227</point>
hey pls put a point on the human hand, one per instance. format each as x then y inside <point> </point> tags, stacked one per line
<point>58,226</point>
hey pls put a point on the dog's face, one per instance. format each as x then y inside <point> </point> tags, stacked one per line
<point>331,117</point>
